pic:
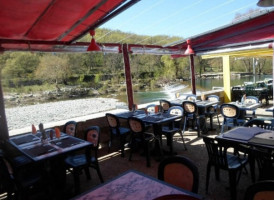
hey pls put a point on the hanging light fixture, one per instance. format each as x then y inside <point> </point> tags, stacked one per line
<point>265,3</point>
<point>93,46</point>
<point>189,49</point>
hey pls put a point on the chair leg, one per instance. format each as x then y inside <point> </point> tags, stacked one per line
<point>223,124</point>
<point>87,173</point>
<point>184,125</point>
<point>232,183</point>
<point>122,145</point>
<point>147,152</point>
<point>207,176</point>
<point>217,173</point>
<point>183,140</point>
<point>76,180</point>
<point>99,173</point>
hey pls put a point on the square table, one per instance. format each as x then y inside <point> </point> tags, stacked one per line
<point>133,185</point>
<point>32,146</point>
<point>271,109</point>
<point>202,106</point>
<point>249,136</point>
<point>157,120</point>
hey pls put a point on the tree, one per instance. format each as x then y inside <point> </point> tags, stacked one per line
<point>20,65</point>
<point>53,68</point>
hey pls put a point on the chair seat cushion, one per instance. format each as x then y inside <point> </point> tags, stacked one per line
<point>235,161</point>
<point>76,160</point>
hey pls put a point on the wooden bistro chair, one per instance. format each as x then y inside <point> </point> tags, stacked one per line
<point>251,100</point>
<point>262,190</point>
<point>212,111</point>
<point>151,108</point>
<point>170,129</point>
<point>191,97</point>
<point>165,105</point>
<point>70,128</point>
<point>89,159</point>
<point>22,182</point>
<point>179,171</point>
<point>221,159</point>
<point>117,131</point>
<point>191,113</point>
<point>230,115</point>
<point>139,136</point>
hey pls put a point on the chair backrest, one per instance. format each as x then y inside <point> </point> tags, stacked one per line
<point>191,97</point>
<point>251,99</point>
<point>165,105</point>
<point>176,110</point>
<point>230,111</point>
<point>213,98</point>
<point>70,128</point>
<point>265,163</point>
<point>6,182</point>
<point>189,107</point>
<point>216,152</point>
<point>179,171</point>
<point>267,124</point>
<point>151,108</point>
<point>113,120</point>
<point>92,135</point>
<point>136,125</point>
<point>260,190</point>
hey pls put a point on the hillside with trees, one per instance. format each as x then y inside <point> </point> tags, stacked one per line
<point>98,73</point>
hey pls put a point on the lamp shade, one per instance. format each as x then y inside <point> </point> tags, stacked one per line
<point>189,49</point>
<point>265,3</point>
<point>93,46</point>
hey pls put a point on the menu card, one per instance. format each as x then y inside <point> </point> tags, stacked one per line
<point>244,133</point>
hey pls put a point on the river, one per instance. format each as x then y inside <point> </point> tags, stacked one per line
<point>185,87</point>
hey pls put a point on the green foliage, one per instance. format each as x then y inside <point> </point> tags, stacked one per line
<point>106,70</point>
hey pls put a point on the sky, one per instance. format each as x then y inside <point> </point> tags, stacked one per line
<point>183,18</point>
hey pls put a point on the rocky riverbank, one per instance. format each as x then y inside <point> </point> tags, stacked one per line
<point>24,116</point>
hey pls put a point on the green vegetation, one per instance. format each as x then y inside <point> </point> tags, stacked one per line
<point>26,72</point>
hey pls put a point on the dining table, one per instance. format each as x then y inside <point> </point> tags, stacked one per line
<point>250,137</point>
<point>154,119</point>
<point>245,106</point>
<point>30,149</point>
<point>133,185</point>
<point>202,108</point>
<point>270,109</point>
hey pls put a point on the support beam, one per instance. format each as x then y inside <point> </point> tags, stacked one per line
<point>4,133</point>
<point>192,70</point>
<point>128,77</point>
<point>226,79</point>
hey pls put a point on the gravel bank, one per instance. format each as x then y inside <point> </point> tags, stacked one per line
<point>20,117</point>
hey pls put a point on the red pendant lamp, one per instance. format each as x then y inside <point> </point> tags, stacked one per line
<point>189,49</point>
<point>93,46</point>
<point>265,3</point>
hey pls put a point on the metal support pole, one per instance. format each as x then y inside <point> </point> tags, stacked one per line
<point>4,133</point>
<point>192,69</point>
<point>128,77</point>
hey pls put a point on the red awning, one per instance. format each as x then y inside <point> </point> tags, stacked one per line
<point>255,30</point>
<point>51,22</point>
